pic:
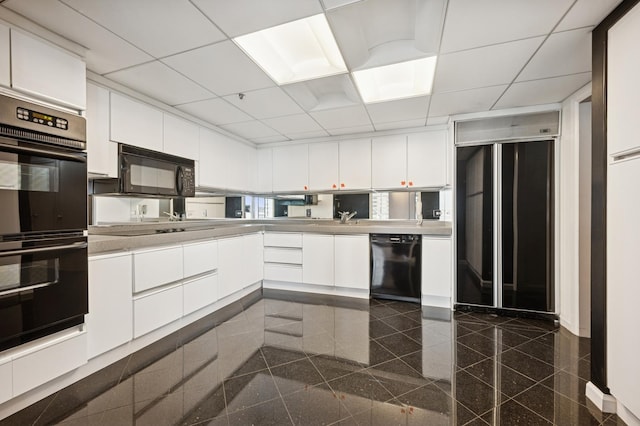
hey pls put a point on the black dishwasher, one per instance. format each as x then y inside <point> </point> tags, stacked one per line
<point>396,267</point>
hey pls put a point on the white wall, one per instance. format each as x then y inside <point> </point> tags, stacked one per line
<point>584,316</point>
<point>322,210</point>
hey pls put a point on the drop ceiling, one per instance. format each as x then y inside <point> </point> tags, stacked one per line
<point>492,54</point>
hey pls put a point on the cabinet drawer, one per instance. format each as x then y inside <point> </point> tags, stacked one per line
<point>282,239</point>
<point>200,293</point>
<point>157,309</point>
<point>6,380</point>
<point>200,258</point>
<point>279,272</point>
<point>45,363</point>
<point>154,268</point>
<point>283,255</point>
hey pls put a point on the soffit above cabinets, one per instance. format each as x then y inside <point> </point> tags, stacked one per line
<point>490,54</point>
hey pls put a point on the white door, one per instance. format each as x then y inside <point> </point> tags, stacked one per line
<point>427,159</point>
<point>355,164</point>
<point>291,168</point>
<point>389,162</point>
<point>317,259</point>
<point>323,166</point>
<point>352,261</point>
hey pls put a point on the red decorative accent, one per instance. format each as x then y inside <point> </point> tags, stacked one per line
<point>403,182</point>
<point>306,187</point>
<point>342,185</point>
<point>410,183</point>
<point>335,186</point>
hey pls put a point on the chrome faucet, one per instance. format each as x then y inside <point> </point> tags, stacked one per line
<point>173,217</point>
<point>345,216</point>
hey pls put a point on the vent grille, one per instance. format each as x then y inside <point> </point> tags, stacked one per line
<point>509,128</point>
<point>14,132</point>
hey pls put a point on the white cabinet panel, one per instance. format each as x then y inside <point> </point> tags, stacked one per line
<point>252,251</point>
<point>240,157</point>
<point>181,137</point>
<point>49,361</point>
<point>389,162</point>
<point>102,154</point>
<point>154,310</point>
<point>436,271</point>
<point>323,166</point>
<point>135,123</point>
<point>200,293</point>
<point>352,261</point>
<point>66,77</point>
<point>265,170</point>
<point>283,255</point>
<point>214,153</point>
<point>291,168</point>
<point>110,289</point>
<point>153,268</point>
<point>427,159</point>
<point>5,60</point>
<point>280,272</point>
<point>200,258</point>
<point>6,380</point>
<point>317,259</point>
<point>230,264</point>
<point>282,239</point>
<point>355,164</point>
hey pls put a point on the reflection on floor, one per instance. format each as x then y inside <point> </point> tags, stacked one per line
<point>297,359</point>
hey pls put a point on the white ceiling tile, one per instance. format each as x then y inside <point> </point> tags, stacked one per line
<point>307,135</point>
<point>215,111</point>
<point>562,53</point>
<point>585,13</point>
<point>484,66</point>
<point>299,123</point>
<point>473,23</point>
<point>159,27</point>
<point>269,139</point>
<point>474,100</point>
<point>332,4</point>
<point>400,124</point>
<point>246,16</point>
<point>222,68</point>
<point>433,121</point>
<point>324,93</point>
<point>539,92</point>
<point>351,130</point>
<point>106,51</point>
<point>404,109</point>
<point>342,117</point>
<point>250,129</point>
<point>265,103</point>
<point>157,80</point>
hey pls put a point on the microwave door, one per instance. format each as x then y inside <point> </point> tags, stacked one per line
<point>150,176</point>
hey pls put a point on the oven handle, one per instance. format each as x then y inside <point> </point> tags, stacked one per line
<point>74,246</point>
<point>23,289</point>
<point>81,158</point>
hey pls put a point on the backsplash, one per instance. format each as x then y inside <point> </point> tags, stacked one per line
<point>124,209</point>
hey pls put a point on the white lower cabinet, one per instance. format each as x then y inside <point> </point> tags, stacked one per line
<point>199,293</point>
<point>156,267</point>
<point>6,380</point>
<point>44,363</point>
<point>230,264</point>
<point>436,271</point>
<point>109,292</point>
<point>283,272</point>
<point>156,309</point>
<point>200,258</point>
<point>252,250</point>
<point>317,259</point>
<point>352,261</point>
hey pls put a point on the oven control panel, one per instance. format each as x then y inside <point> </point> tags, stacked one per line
<point>40,118</point>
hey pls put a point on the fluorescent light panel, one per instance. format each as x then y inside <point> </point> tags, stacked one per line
<point>300,50</point>
<point>396,81</point>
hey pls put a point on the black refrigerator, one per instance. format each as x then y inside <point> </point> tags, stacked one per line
<point>505,226</point>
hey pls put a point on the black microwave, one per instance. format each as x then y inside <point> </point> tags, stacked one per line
<point>149,173</point>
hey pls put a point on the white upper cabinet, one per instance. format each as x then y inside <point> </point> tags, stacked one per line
<point>355,164</point>
<point>291,168</point>
<point>5,56</point>
<point>135,123</point>
<point>102,154</point>
<point>238,159</point>
<point>389,162</point>
<point>213,159</point>
<point>181,137</point>
<point>265,170</point>
<point>323,166</point>
<point>47,72</point>
<point>427,159</point>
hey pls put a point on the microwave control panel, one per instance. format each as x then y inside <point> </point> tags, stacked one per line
<point>188,181</point>
<point>40,118</point>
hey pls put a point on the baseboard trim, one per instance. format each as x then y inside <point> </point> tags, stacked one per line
<point>602,401</point>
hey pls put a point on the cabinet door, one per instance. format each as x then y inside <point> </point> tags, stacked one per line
<point>355,164</point>
<point>389,162</point>
<point>317,259</point>
<point>252,253</point>
<point>6,380</point>
<point>181,137</point>
<point>427,159</point>
<point>110,290</point>
<point>65,75</point>
<point>135,123</point>
<point>102,154</point>
<point>154,310</point>
<point>291,168</point>
<point>200,258</point>
<point>352,261</point>
<point>323,166</point>
<point>5,60</point>
<point>213,159</point>
<point>230,264</point>
<point>265,170</point>
<point>156,267</point>
<point>436,272</point>
<point>239,159</point>
<point>199,293</point>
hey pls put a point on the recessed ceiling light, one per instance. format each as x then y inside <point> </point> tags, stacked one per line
<point>300,50</point>
<point>396,81</point>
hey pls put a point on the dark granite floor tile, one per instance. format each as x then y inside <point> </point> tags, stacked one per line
<point>431,366</point>
<point>568,385</point>
<point>555,407</point>
<point>613,420</point>
<point>464,356</point>
<point>527,365</point>
<point>488,318</point>
<point>397,377</point>
<point>531,333</point>
<point>382,311</point>
<point>268,413</point>
<point>355,388</point>
<point>504,337</point>
<point>399,344</point>
<point>331,368</point>
<point>513,413</point>
<point>278,356</point>
<point>378,328</point>
<point>480,343</point>
<point>378,353</point>
<point>211,406</point>
<point>404,307</point>
<point>315,405</point>
<point>245,391</point>
<point>429,397</point>
<point>382,414</point>
<point>461,329</point>
<point>502,378</point>
<point>583,369</point>
<point>477,421</point>
<point>400,322</point>
<point>546,353</point>
<point>255,363</point>
<point>475,394</point>
<point>535,324</point>
<point>297,375</point>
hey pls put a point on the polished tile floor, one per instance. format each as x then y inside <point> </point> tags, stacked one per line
<point>312,360</point>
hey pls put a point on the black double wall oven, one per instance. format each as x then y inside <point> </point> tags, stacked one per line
<point>43,243</point>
